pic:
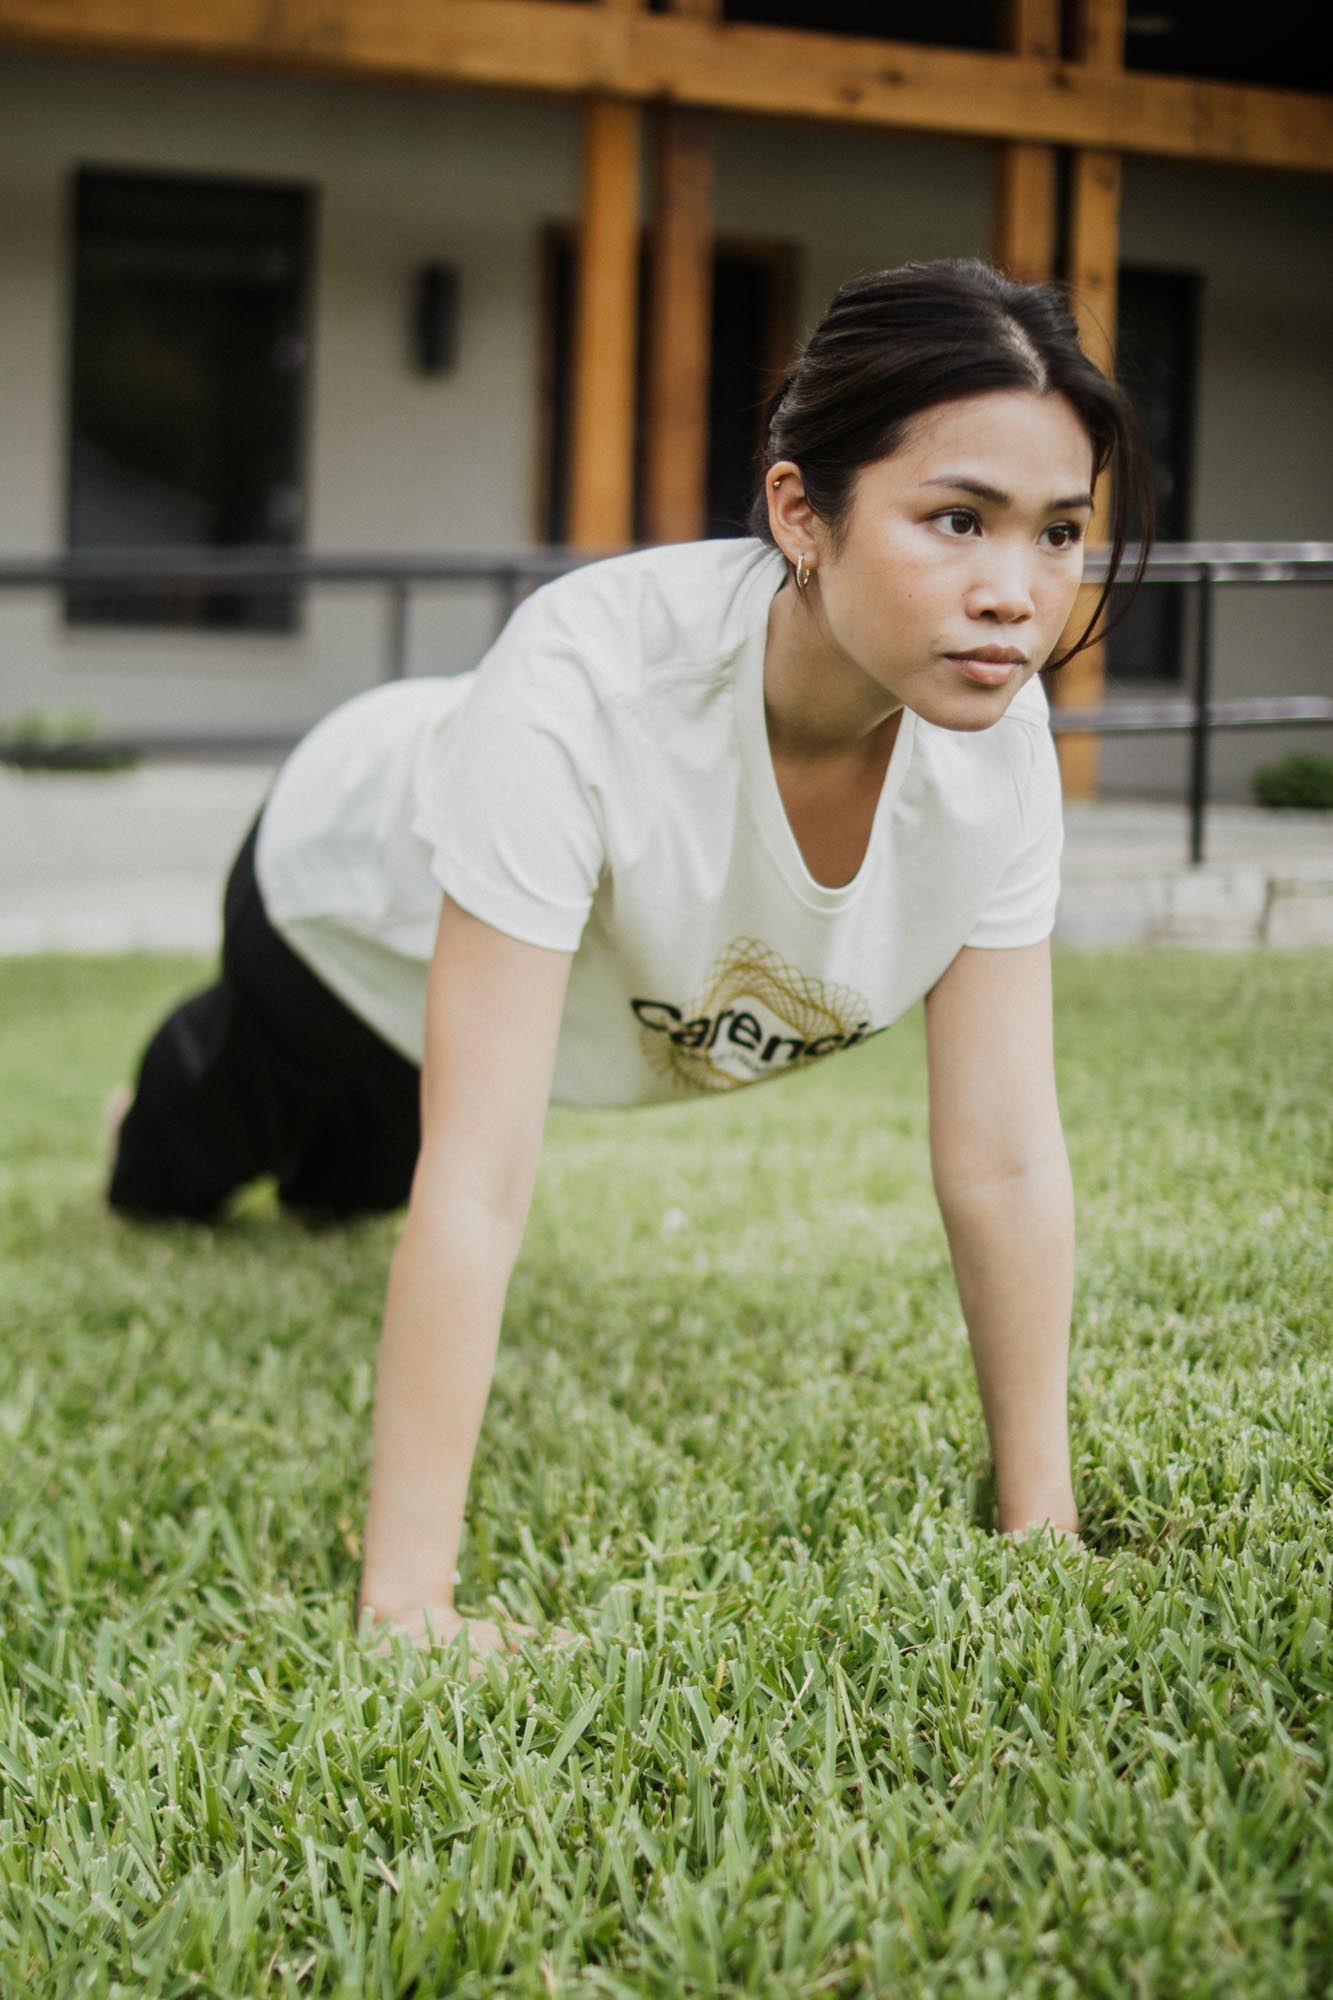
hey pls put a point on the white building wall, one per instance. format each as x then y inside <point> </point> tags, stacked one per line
<point>397,461</point>
<point>852,200</point>
<point>402,462</point>
<point>1264,415</point>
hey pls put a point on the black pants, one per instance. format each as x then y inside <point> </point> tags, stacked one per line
<point>267,1072</point>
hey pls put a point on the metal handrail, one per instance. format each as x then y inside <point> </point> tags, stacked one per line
<point>1224,562</point>
<point>1204,565</point>
<point>1227,562</point>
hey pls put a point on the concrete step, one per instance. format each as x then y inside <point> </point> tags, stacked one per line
<point>1266,879</point>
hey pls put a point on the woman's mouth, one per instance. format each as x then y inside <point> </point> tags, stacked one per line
<point>983,671</point>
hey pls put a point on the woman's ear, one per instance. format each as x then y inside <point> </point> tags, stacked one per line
<point>793,521</point>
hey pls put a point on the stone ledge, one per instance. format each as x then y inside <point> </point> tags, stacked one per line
<point>1299,916</point>
<point>1244,906</point>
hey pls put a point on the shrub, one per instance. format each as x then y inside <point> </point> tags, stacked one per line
<point>61,740</point>
<point>1303,781</point>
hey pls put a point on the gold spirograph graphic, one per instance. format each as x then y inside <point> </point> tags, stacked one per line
<point>812,1009</point>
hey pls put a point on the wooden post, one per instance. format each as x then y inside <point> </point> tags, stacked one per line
<point>605,328</point>
<point>1091,256</point>
<point>1024,231</point>
<point>680,304</point>
<point>1092,250</point>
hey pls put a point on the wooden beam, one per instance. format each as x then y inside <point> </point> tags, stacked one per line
<point>1025,175</point>
<point>572,50</point>
<point>1092,254</point>
<point>605,329</point>
<point>681,297</point>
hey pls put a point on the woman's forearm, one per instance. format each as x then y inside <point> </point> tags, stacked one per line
<point>437,1357</point>
<point>1012,1244</point>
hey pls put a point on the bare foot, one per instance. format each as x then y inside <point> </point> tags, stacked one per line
<point>113,1117</point>
<point>1039,1527</point>
<point>114,1108</point>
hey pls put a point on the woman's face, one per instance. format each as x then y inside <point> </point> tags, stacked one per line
<point>961,557</point>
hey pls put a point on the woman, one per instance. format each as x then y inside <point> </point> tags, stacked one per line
<point>704,815</point>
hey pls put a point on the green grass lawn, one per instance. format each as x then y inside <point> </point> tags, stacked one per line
<point>832,1735</point>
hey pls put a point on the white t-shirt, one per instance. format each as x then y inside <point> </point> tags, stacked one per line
<point>602,784</point>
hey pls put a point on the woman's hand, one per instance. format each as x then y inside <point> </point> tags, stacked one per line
<point>440,1624</point>
<point>1037,1528</point>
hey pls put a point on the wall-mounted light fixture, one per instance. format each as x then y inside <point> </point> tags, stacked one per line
<point>435,319</point>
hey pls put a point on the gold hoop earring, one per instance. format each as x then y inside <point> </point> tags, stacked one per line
<point>803,571</point>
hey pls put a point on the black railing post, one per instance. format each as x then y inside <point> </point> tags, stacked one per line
<point>397,660</point>
<point>1203,695</point>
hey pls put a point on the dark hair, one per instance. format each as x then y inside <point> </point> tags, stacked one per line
<point>895,343</point>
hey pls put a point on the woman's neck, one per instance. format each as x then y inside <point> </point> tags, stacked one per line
<point>818,704</point>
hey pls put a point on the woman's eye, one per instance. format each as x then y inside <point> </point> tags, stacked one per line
<point>958,520</point>
<point>1064,534</point>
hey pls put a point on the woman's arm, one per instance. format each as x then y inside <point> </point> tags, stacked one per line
<point>492,1023</point>
<point>1002,1179</point>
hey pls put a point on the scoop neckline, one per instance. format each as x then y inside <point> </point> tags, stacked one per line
<point>761,778</point>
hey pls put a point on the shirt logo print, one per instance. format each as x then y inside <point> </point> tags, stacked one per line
<point>756,1017</point>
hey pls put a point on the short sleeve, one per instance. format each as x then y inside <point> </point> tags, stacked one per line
<point>1021,908</point>
<point>508,802</point>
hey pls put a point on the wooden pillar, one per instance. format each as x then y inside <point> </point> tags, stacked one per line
<point>1092,243</point>
<point>678,336</point>
<point>680,305</point>
<point>1024,233</point>
<point>605,328</point>
<point>1093,228</point>
<point>680,295</point>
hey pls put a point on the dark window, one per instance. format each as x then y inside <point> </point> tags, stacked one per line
<point>1171,37</point>
<point>187,383</point>
<point>1156,339</point>
<point>964,24</point>
<point>557,384</point>
<point>752,338</point>
<point>1228,45</point>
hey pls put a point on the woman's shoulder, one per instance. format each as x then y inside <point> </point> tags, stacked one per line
<point>683,604</point>
<point>385,714</point>
<point>1030,705</point>
<point>716,564</point>
<point>1008,743</point>
<point>977,772</point>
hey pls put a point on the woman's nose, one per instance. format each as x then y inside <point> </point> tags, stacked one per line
<point>1002,588</point>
